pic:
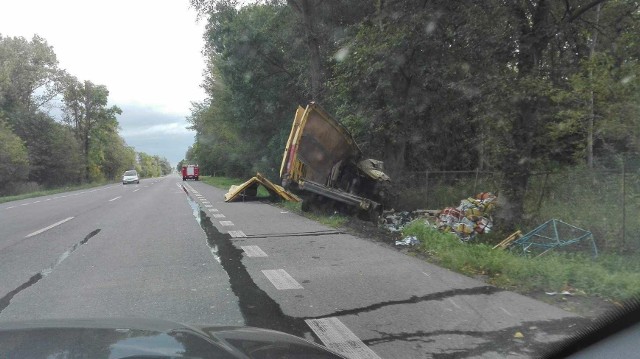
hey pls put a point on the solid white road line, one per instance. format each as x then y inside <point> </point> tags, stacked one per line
<point>253,251</point>
<point>113,199</point>
<point>281,279</point>
<point>226,223</point>
<point>237,234</point>
<point>49,227</point>
<point>338,337</point>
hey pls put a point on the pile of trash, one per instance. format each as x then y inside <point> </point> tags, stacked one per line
<point>471,217</point>
<point>396,221</point>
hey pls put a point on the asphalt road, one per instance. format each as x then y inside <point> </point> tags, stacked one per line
<point>161,250</point>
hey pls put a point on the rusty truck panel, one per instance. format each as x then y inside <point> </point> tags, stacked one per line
<point>321,157</point>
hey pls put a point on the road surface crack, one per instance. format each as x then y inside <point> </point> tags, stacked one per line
<point>6,300</point>
<point>483,290</point>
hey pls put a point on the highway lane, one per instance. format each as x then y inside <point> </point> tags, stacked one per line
<point>146,257</point>
<point>397,305</point>
<point>153,251</point>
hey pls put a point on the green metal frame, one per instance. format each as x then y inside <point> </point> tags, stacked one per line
<point>538,240</point>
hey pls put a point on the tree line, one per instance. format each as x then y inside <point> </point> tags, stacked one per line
<point>508,86</point>
<point>82,145</point>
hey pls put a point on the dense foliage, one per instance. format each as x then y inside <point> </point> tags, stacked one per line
<point>510,86</point>
<point>36,150</point>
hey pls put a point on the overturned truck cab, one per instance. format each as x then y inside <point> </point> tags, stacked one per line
<point>323,162</point>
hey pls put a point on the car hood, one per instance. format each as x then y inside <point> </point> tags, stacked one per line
<point>128,338</point>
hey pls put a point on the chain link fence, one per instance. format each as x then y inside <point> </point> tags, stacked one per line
<point>605,202</point>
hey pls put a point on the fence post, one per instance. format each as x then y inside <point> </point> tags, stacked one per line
<point>624,212</point>
<point>426,192</point>
<point>475,182</point>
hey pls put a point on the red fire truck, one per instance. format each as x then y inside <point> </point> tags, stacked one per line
<point>190,172</point>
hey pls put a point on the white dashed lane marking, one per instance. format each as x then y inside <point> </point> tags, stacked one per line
<point>336,336</point>
<point>226,223</point>
<point>137,189</point>
<point>281,279</point>
<point>237,234</point>
<point>48,227</point>
<point>208,205</point>
<point>218,215</point>
<point>213,210</point>
<point>253,251</point>
<point>113,199</point>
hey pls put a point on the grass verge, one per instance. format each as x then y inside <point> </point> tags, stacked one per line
<point>608,276</point>
<point>51,191</point>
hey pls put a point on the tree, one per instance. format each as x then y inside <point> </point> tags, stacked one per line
<point>86,111</point>
<point>29,75</point>
<point>14,159</point>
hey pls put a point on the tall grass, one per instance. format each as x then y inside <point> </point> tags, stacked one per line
<point>608,277</point>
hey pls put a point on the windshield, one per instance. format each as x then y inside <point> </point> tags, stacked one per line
<point>384,178</point>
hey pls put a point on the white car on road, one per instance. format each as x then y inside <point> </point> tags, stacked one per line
<point>130,177</point>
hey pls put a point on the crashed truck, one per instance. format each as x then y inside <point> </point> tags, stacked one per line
<point>323,164</point>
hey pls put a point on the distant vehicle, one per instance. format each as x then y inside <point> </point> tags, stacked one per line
<point>130,176</point>
<point>190,172</point>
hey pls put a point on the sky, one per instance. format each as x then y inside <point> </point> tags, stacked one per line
<point>146,52</point>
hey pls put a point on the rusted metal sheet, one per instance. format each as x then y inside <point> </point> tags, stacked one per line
<point>250,188</point>
<point>316,144</point>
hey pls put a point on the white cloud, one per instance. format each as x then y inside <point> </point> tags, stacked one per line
<point>147,52</point>
<point>175,128</point>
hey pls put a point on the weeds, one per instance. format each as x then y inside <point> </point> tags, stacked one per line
<point>609,277</point>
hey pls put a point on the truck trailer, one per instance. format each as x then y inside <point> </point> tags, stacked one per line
<point>323,162</point>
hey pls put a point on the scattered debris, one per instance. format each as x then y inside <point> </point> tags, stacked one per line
<point>509,240</point>
<point>250,189</point>
<point>471,217</point>
<point>551,235</point>
<point>408,241</point>
<point>396,221</point>
<point>518,335</point>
